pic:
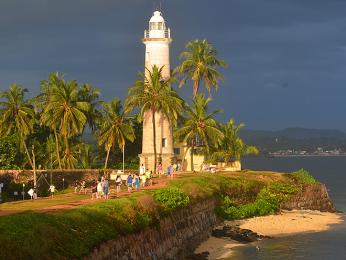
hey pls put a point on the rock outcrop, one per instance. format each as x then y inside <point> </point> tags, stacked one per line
<point>313,197</point>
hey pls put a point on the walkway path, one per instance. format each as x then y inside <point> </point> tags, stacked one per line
<point>68,201</point>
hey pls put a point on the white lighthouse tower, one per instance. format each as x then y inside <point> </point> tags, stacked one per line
<point>157,39</point>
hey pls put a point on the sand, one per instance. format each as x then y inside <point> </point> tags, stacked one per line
<point>285,224</point>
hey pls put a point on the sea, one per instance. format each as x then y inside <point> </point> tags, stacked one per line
<point>329,244</point>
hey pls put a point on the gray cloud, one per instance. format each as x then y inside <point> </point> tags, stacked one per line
<point>298,44</point>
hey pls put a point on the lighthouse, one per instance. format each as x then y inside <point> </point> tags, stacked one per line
<point>157,39</point>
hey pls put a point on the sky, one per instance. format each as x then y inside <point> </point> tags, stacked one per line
<point>286,58</point>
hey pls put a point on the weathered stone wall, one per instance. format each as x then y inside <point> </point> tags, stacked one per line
<point>174,238</point>
<point>314,197</point>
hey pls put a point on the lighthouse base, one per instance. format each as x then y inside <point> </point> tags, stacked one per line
<point>147,159</point>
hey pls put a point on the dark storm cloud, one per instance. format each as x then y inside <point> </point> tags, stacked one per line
<point>286,57</point>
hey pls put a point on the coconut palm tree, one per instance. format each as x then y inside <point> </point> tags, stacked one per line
<point>42,100</point>
<point>88,93</point>
<point>199,63</point>
<point>16,116</point>
<point>66,113</point>
<point>154,94</point>
<point>115,128</point>
<point>232,146</point>
<point>200,127</point>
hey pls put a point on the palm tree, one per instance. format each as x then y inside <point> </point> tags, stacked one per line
<point>66,113</point>
<point>153,94</point>
<point>200,127</point>
<point>115,128</point>
<point>199,63</point>
<point>16,115</point>
<point>88,93</point>
<point>232,145</point>
<point>42,100</point>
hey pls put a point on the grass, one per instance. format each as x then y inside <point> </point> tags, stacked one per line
<point>40,203</point>
<point>73,233</point>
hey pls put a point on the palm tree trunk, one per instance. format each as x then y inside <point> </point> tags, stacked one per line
<point>57,148</point>
<point>184,155</point>
<point>154,141</point>
<point>67,152</point>
<point>192,152</point>
<point>195,88</point>
<point>107,157</point>
<point>27,153</point>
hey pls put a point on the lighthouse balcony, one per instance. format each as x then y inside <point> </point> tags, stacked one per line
<point>166,33</point>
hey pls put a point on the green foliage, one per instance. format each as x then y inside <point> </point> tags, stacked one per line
<point>8,152</point>
<point>304,177</point>
<point>171,198</point>
<point>267,202</point>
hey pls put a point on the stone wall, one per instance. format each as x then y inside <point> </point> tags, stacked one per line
<point>314,197</point>
<point>174,238</point>
<point>178,235</point>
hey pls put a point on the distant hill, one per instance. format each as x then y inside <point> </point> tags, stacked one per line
<point>295,138</point>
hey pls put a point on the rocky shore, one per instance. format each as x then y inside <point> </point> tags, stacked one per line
<point>237,233</point>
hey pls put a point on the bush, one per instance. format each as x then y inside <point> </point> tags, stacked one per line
<point>304,177</point>
<point>267,202</point>
<point>171,198</point>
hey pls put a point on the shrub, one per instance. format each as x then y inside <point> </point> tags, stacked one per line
<point>304,177</point>
<point>171,198</point>
<point>267,202</point>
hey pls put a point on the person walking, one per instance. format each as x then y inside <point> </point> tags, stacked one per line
<point>52,190</point>
<point>141,169</point>
<point>118,182</point>
<point>137,184</point>
<point>106,188</point>
<point>129,183</point>
<point>82,187</point>
<point>99,190</point>
<point>94,189</point>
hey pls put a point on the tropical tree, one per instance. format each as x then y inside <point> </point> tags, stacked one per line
<point>16,116</point>
<point>66,113</point>
<point>232,146</point>
<point>200,127</point>
<point>88,93</point>
<point>199,63</point>
<point>153,94</point>
<point>115,128</point>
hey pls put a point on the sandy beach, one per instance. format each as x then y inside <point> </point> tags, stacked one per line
<point>285,224</point>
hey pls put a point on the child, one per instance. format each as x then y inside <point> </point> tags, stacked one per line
<point>137,182</point>
<point>82,187</point>
<point>52,190</point>
<point>75,186</point>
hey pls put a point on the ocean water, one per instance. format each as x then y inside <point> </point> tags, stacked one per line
<point>330,244</point>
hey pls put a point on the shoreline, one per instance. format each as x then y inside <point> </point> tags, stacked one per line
<point>287,223</point>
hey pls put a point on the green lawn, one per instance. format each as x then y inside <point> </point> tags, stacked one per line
<point>24,205</point>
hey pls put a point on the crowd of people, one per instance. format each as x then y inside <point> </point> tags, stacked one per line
<point>134,181</point>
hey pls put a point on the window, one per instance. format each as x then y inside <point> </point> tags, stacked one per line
<point>176,151</point>
<point>164,142</point>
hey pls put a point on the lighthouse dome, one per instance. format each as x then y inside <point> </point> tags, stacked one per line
<point>157,22</point>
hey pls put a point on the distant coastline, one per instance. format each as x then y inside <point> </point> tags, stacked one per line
<point>306,155</point>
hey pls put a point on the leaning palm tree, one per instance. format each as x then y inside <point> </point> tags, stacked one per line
<point>65,113</point>
<point>200,127</point>
<point>232,146</point>
<point>199,63</point>
<point>16,116</point>
<point>153,94</point>
<point>115,128</point>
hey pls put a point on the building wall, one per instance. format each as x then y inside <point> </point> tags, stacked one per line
<point>198,159</point>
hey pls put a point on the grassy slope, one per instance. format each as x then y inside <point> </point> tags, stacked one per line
<point>73,233</point>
